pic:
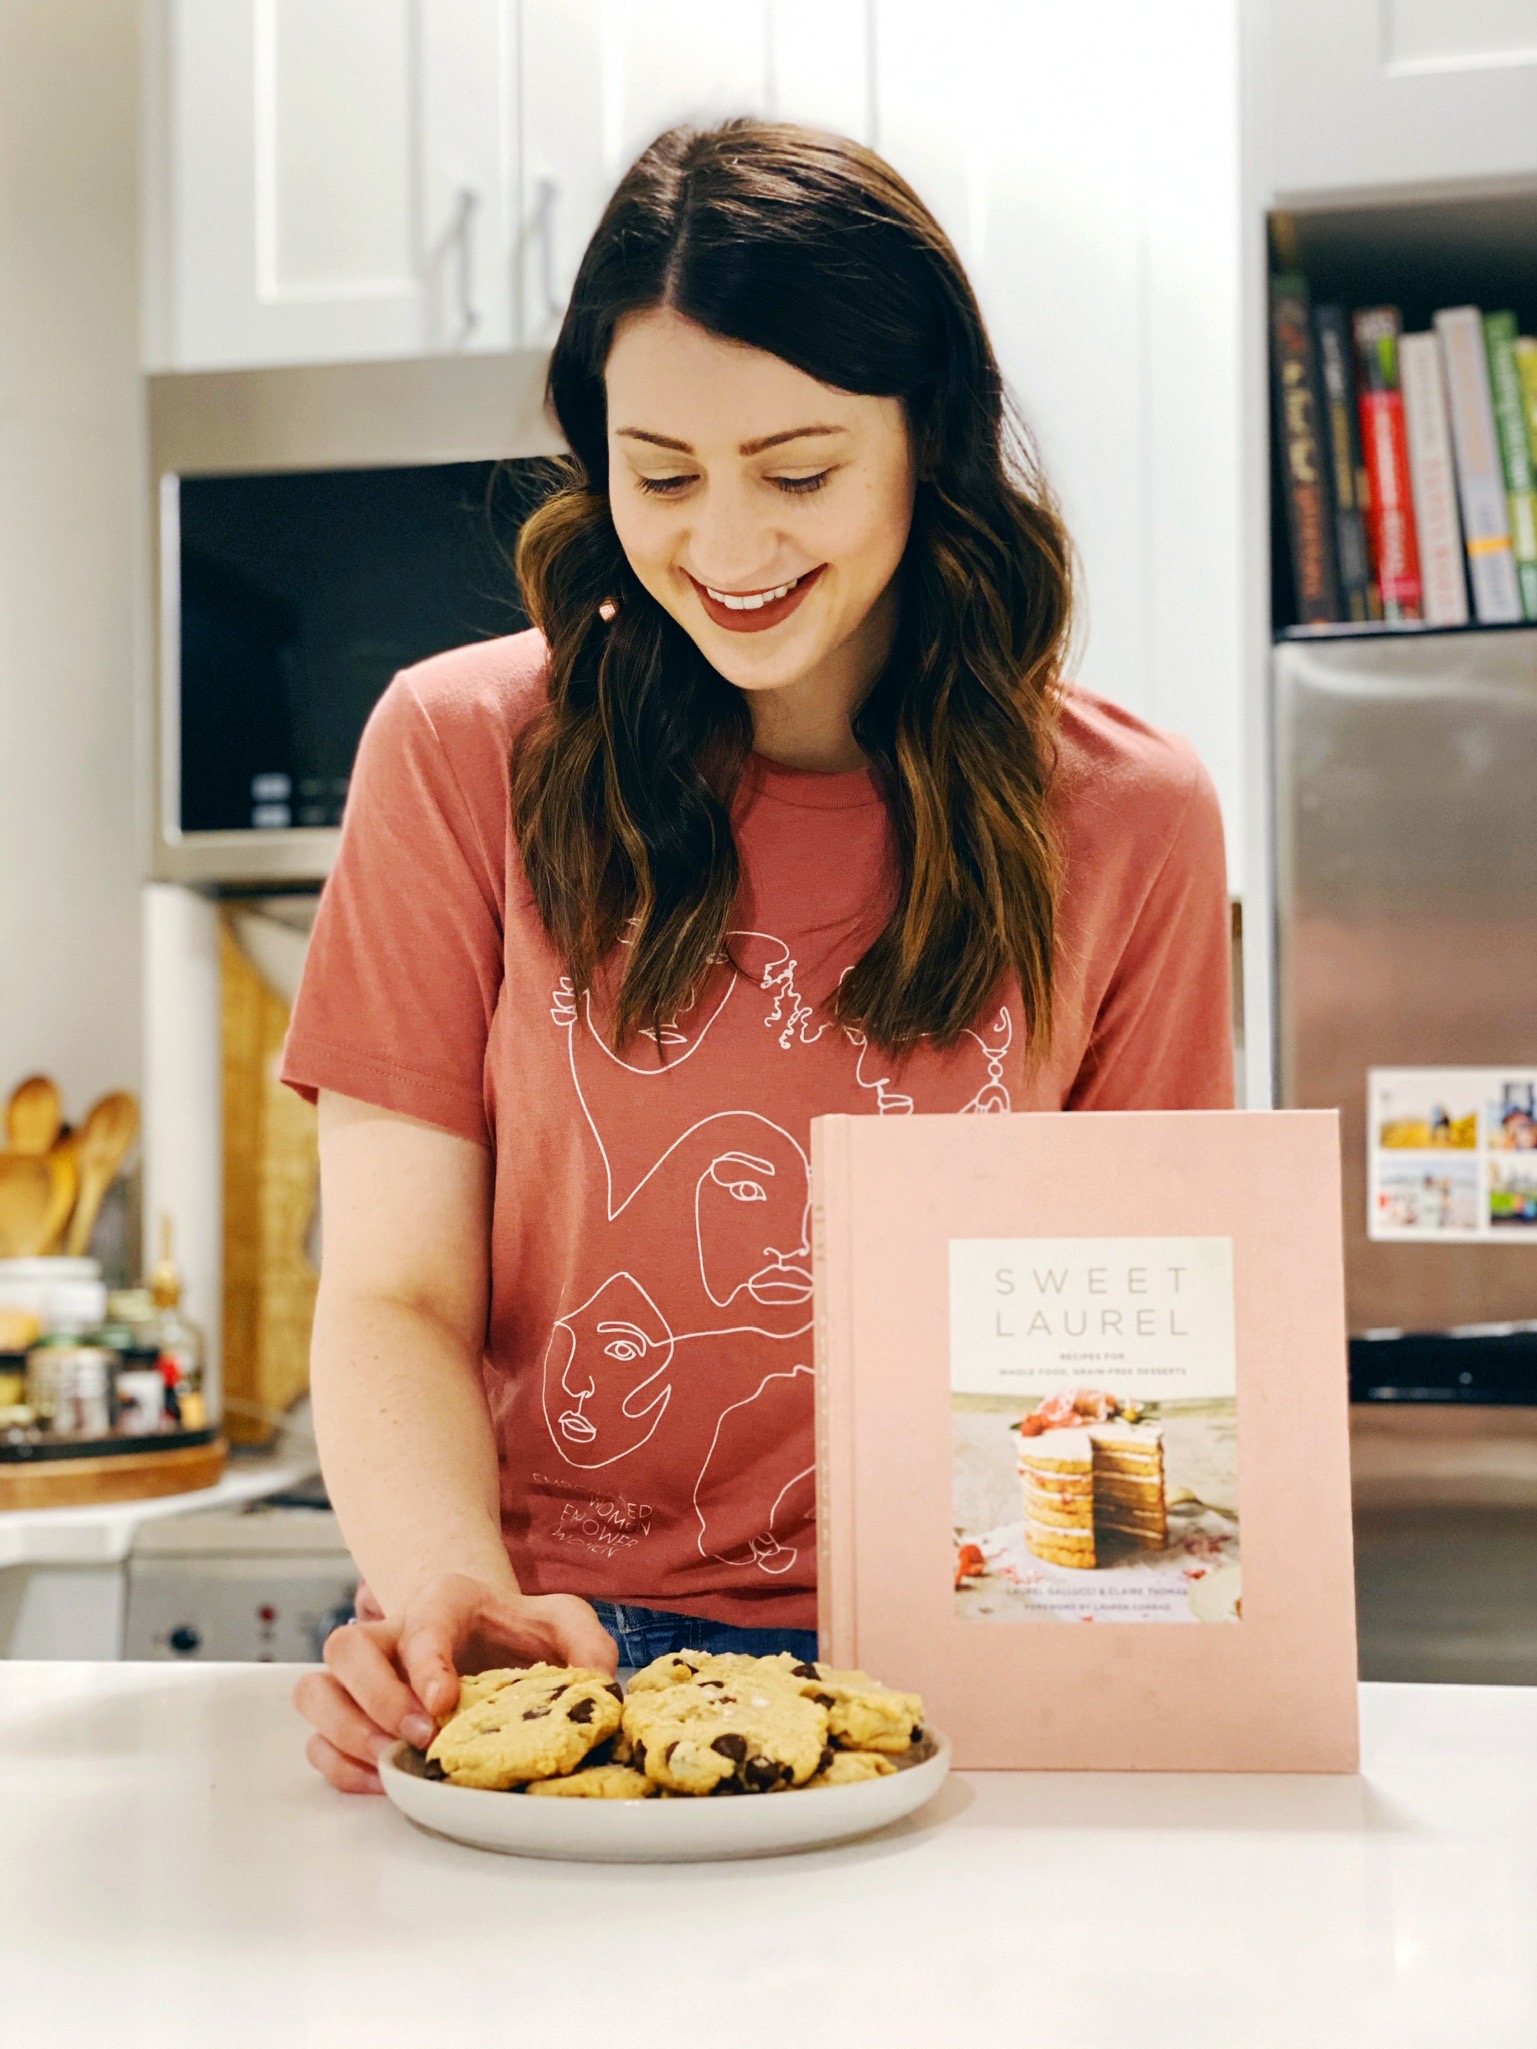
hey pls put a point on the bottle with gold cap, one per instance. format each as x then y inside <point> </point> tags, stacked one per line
<point>179,1340</point>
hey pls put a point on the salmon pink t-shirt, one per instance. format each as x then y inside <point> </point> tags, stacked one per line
<point>648,1348</point>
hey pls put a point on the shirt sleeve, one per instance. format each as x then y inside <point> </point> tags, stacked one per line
<point>405,962</point>
<point>1163,1035</point>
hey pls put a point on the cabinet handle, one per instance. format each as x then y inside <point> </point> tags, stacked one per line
<point>462,234</point>
<point>546,192</point>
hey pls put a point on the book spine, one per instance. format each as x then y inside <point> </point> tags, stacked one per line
<point>1515,452</point>
<point>1390,521</point>
<point>832,1339</point>
<point>1526,370</point>
<point>1300,454</point>
<point>1480,473</point>
<point>1358,598</point>
<point>1434,479</point>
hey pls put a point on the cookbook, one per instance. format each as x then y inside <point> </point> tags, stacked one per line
<point>1083,1447</point>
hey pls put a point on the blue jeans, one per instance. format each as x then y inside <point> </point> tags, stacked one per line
<point>646,1633</point>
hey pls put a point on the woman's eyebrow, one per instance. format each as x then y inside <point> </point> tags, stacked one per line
<point>747,448</point>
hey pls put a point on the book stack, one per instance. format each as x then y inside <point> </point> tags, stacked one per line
<point>1407,463</point>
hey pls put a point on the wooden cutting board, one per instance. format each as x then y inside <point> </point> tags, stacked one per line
<point>124,1476</point>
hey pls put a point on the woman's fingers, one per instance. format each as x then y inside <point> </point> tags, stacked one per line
<point>365,1604</point>
<point>430,1634</point>
<point>577,1637</point>
<point>345,1773</point>
<point>326,1703</point>
<point>559,1628</point>
<point>360,1657</point>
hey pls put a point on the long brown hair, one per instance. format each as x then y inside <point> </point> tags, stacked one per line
<point>813,249</point>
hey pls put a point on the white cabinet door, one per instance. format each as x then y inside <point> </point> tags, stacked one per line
<point>1401,92</point>
<point>602,78</point>
<point>1085,160</point>
<point>340,178</point>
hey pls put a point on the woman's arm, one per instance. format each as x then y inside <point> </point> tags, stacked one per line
<point>410,1462</point>
<point>406,1442</point>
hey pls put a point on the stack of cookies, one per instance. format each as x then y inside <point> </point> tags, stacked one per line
<point>692,1724</point>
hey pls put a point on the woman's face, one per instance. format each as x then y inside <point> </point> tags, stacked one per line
<point>765,511</point>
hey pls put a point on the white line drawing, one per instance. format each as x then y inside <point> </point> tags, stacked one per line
<point>601,1368</point>
<point>738,1177</point>
<point>612,1364</point>
<point>993,1097</point>
<point>889,1102</point>
<point>763,1441</point>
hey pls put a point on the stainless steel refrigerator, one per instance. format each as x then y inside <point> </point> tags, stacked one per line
<point>1406,849</point>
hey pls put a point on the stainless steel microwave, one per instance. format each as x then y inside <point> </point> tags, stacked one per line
<point>315,529</point>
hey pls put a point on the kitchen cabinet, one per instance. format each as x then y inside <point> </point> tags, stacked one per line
<point>336,179</point>
<point>1086,163</point>
<point>600,80</point>
<point>1374,93</point>
<point>330,179</point>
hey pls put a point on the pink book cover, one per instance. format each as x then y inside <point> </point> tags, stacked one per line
<point>1082,1434</point>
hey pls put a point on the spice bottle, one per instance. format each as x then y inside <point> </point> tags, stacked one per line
<point>179,1340</point>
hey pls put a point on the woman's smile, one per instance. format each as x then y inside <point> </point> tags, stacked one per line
<point>754,611</point>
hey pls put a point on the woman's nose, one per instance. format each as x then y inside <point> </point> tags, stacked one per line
<point>733,547</point>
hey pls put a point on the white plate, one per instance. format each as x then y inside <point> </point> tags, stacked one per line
<point>659,1831</point>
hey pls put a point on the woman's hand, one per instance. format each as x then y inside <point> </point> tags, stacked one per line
<point>393,1678</point>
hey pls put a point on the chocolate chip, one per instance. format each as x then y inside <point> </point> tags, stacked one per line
<point>805,1671</point>
<point>638,1758</point>
<point>762,1774</point>
<point>823,1699</point>
<point>435,1770</point>
<point>730,1745</point>
<point>582,1710</point>
<point>534,1714</point>
<point>667,1753</point>
<point>824,1760</point>
<point>615,1689</point>
<point>917,1735</point>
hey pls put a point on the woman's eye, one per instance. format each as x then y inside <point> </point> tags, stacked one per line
<point>663,487</point>
<point>798,485</point>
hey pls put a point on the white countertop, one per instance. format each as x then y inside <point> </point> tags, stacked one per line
<point>171,1874</point>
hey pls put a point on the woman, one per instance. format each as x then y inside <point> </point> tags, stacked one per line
<point>785,808</point>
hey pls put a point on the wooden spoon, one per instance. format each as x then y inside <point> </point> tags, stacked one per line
<point>34,1115</point>
<point>26,1204</point>
<point>64,1170</point>
<point>101,1145</point>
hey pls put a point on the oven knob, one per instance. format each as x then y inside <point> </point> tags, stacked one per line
<point>184,1639</point>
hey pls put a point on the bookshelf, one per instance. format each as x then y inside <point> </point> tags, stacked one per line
<point>1420,252</point>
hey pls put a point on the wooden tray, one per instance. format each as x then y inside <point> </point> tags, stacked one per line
<point>125,1476</point>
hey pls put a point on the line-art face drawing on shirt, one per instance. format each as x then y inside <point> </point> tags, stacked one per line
<point>993,1096</point>
<point>755,1497</point>
<point>889,1102</point>
<point>605,1368</point>
<point>766,964</point>
<point>752,1211</point>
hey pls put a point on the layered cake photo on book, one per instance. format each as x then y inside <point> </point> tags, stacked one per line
<point>1114,1500</point>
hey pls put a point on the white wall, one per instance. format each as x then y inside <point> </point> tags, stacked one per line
<point>69,526</point>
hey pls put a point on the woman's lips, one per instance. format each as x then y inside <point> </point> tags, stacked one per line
<point>766,615</point>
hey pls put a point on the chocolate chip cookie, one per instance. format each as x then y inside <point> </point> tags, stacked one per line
<point>848,1768</point>
<point>540,1724</point>
<point>598,1782</point>
<point>726,1733</point>
<point>861,1713</point>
